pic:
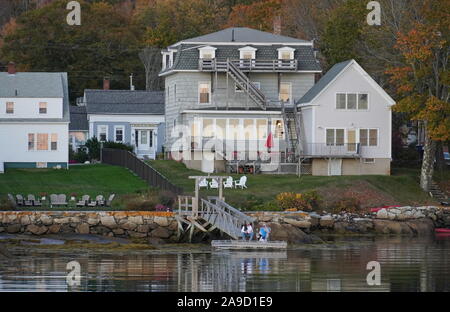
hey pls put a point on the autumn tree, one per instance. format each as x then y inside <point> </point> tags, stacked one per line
<point>106,44</point>
<point>258,15</point>
<point>423,79</point>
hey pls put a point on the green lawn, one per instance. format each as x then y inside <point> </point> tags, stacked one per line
<point>86,179</point>
<point>400,188</point>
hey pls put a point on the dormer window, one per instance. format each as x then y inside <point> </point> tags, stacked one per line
<point>207,53</point>
<point>247,53</point>
<point>286,53</point>
<point>167,60</point>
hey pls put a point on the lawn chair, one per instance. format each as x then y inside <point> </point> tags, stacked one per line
<point>214,184</point>
<point>12,200</point>
<point>53,200</point>
<point>84,201</point>
<point>203,183</point>
<point>100,200</point>
<point>228,183</point>
<point>110,199</point>
<point>241,182</point>
<point>28,201</point>
<point>20,200</point>
<point>62,200</point>
<point>33,201</point>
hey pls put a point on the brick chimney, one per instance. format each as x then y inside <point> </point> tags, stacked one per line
<point>106,83</point>
<point>11,68</point>
<point>277,25</point>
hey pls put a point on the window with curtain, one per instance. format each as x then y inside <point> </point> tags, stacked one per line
<point>10,107</point>
<point>204,90</point>
<point>54,142</point>
<point>42,107</point>
<point>42,141</point>
<point>285,92</point>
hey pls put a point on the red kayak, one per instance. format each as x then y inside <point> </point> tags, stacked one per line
<point>385,207</point>
<point>442,230</point>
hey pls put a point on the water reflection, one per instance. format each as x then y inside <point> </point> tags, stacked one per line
<point>406,265</point>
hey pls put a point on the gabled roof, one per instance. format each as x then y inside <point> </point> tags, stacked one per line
<point>332,75</point>
<point>78,119</point>
<point>243,35</point>
<point>36,85</point>
<point>124,102</point>
<point>31,85</point>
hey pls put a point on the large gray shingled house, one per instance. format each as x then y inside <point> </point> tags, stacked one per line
<point>238,99</point>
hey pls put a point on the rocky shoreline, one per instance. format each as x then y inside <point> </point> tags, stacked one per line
<point>161,227</point>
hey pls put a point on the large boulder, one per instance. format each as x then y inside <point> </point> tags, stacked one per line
<point>160,232</point>
<point>326,221</point>
<point>13,228</point>
<point>128,225</point>
<point>25,220</point>
<point>136,219</point>
<point>422,226</point>
<point>161,221</point>
<point>286,232</point>
<point>392,227</point>
<point>303,224</point>
<point>83,228</point>
<point>46,220</point>
<point>54,229</point>
<point>37,230</point>
<point>108,221</point>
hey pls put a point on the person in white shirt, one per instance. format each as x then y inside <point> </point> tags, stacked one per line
<point>250,232</point>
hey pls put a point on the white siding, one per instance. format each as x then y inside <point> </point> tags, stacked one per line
<point>29,107</point>
<point>377,116</point>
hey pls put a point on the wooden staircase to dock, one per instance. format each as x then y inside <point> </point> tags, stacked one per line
<point>213,214</point>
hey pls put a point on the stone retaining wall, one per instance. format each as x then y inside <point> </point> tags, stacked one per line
<point>155,225</point>
<point>402,220</point>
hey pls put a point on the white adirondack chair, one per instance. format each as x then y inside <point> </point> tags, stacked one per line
<point>203,183</point>
<point>241,182</point>
<point>214,184</point>
<point>228,183</point>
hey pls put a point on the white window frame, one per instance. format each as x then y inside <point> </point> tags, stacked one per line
<point>365,160</point>
<point>357,101</point>
<point>286,49</point>
<point>6,108</point>
<point>368,137</point>
<point>51,141</point>
<point>336,128</point>
<point>247,49</point>
<point>209,92</point>
<point>290,91</point>
<point>207,50</point>
<point>99,131</point>
<point>46,108</point>
<point>123,134</point>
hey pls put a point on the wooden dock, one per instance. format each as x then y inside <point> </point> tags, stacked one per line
<point>241,244</point>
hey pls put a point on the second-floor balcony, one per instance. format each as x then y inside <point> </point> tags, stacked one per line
<point>247,65</point>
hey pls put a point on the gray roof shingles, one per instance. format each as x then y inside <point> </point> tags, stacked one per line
<point>36,85</point>
<point>187,55</point>
<point>124,102</point>
<point>243,34</point>
<point>78,119</point>
<point>324,82</point>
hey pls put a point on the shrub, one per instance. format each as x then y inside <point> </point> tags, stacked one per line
<point>81,156</point>
<point>93,146</point>
<point>116,145</point>
<point>6,204</point>
<point>348,204</point>
<point>167,198</point>
<point>296,201</point>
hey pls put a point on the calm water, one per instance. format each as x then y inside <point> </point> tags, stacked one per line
<point>406,265</point>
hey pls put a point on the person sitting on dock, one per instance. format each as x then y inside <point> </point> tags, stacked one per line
<point>250,232</point>
<point>244,232</point>
<point>264,233</point>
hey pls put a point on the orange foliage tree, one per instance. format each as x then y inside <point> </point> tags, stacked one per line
<point>422,81</point>
<point>259,15</point>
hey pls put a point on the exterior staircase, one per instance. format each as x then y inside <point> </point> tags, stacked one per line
<point>437,193</point>
<point>245,84</point>
<point>292,120</point>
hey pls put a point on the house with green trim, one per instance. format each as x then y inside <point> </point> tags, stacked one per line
<point>34,119</point>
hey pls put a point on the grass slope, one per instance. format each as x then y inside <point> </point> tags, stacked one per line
<point>86,179</point>
<point>401,188</point>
